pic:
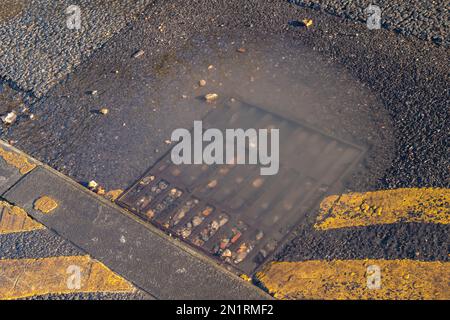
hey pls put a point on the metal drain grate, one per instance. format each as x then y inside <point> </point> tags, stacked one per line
<point>231,211</point>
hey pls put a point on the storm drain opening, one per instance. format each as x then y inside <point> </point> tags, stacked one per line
<point>232,212</point>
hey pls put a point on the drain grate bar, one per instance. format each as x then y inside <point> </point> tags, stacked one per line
<point>232,212</point>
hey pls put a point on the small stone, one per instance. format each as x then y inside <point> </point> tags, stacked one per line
<point>215,225</point>
<point>167,141</point>
<point>246,277</point>
<point>100,191</point>
<point>150,213</point>
<point>93,92</point>
<point>241,50</point>
<point>212,184</point>
<point>258,182</point>
<point>307,22</point>
<point>147,180</point>
<point>259,236</point>
<point>196,221</point>
<point>186,233</point>
<point>227,253</point>
<point>104,111</point>
<point>138,54</point>
<point>211,97</point>
<point>202,83</point>
<point>210,67</point>
<point>9,118</point>
<point>92,184</point>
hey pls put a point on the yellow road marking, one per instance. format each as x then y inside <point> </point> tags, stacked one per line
<point>426,205</point>
<point>17,160</point>
<point>339,279</point>
<point>14,219</point>
<point>45,204</point>
<point>31,277</point>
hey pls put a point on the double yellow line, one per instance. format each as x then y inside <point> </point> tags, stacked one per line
<point>21,278</point>
<point>316,279</point>
<point>368,279</point>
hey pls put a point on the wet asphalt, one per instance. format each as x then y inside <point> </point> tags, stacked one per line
<point>401,115</point>
<point>426,20</point>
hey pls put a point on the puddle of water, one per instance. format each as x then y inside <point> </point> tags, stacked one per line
<point>274,74</point>
<point>153,97</point>
<point>286,80</point>
<point>257,212</point>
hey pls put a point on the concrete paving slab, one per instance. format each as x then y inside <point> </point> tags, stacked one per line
<point>8,176</point>
<point>150,260</point>
<point>13,165</point>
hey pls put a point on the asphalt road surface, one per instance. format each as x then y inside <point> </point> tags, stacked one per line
<point>382,90</point>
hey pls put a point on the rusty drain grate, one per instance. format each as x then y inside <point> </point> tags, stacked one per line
<point>232,212</point>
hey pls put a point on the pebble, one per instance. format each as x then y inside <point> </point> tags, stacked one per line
<point>202,83</point>
<point>9,118</point>
<point>227,253</point>
<point>138,54</point>
<point>211,97</point>
<point>104,111</point>
<point>92,184</point>
<point>307,22</point>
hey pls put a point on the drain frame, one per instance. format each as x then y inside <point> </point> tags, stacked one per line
<point>159,170</point>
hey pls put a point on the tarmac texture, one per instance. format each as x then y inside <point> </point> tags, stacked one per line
<point>398,110</point>
<point>37,49</point>
<point>426,20</point>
